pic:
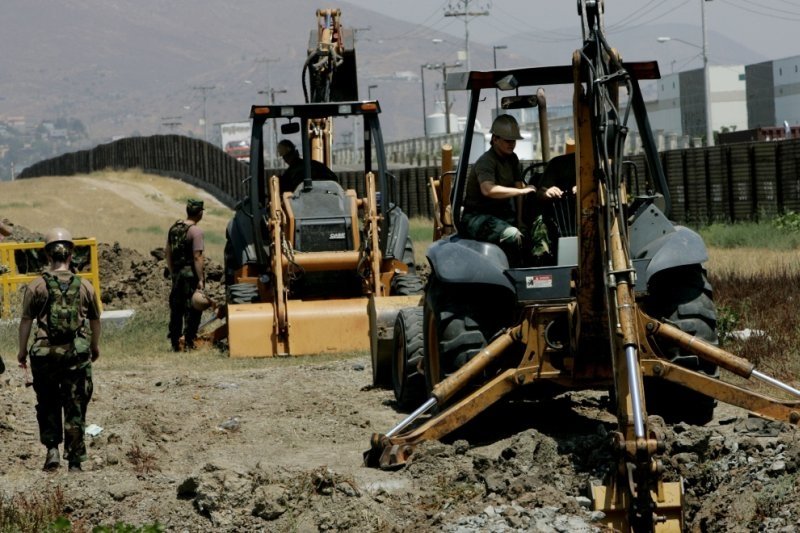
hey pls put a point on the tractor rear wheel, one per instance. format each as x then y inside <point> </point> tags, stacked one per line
<point>456,327</point>
<point>407,379</point>
<point>683,297</point>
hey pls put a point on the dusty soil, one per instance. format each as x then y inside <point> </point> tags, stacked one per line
<point>198,442</point>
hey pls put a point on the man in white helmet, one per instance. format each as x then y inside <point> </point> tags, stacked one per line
<point>61,355</point>
<point>494,191</point>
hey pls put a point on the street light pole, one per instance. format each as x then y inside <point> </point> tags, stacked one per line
<point>496,97</point>
<point>706,78</point>
<point>424,113</point>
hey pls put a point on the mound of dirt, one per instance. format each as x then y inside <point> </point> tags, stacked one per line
<point>130,280</point>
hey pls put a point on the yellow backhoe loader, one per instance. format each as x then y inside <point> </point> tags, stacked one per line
<point>317,267</point>
<point>624,307</point>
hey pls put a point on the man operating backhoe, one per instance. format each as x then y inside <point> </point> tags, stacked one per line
<point>489,213</point>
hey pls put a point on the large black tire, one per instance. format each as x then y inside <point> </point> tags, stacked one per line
<point>406,285</point>
<point>228,261</point>
<point>407,379</point>
<point>242,293</point>
<point>683,297</point>
<point>457,324</point>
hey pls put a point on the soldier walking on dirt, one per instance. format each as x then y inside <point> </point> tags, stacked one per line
<point>184,255</point>
<point>61,355</point>
<point>495,179</point>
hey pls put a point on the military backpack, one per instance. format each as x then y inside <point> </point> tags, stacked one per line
<point>179,246</point>
<point>63,308</point>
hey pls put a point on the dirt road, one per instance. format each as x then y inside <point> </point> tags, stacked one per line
<point>198,443</point>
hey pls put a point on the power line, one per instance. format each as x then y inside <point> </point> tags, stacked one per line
<point>466,13</point>
<point>419,26</point>
<point>748,8</point>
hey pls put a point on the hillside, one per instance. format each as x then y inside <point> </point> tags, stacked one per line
<point>129,208</point>
<point>128,67</point>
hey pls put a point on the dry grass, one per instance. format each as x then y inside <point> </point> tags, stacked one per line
<point>753,262</point>
<point>31,512</point>
<point>131,208</point>
<point>143,462</point>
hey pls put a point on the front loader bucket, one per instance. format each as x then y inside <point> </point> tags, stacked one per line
<point>315,327</point>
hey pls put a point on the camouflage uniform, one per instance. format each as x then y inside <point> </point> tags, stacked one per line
<point>183,318</point>
<point>494,220</point>
<point>62,371</point>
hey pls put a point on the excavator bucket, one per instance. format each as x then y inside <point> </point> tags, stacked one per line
<point>668,500</point>
<point>332,64</point>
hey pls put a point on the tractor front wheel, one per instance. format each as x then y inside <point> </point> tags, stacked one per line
<point>407,379</point>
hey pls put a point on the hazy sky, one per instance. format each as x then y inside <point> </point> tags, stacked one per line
<point>768,27</point>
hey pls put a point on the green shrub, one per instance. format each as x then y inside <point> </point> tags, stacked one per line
<point>781,233</point>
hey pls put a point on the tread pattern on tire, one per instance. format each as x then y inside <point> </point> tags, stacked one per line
<point>407,381</point>
<point>463,321</point>
<point>242,293</point>
<point>683,297</point>
<point>406,285</point>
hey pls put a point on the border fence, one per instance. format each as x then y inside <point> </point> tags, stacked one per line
<point>724,183</point>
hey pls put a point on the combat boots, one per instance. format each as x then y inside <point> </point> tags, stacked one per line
<point>53,460</point>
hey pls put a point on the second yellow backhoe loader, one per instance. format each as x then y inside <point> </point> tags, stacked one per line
<point>628,310</point>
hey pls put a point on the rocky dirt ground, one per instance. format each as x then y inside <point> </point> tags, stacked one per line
<point>197,442</point>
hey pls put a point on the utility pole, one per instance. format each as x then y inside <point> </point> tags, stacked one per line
<point>272,92</point>
<point>205,90</point>
<point>443,67</point>
<point>463,11</point>
<point>356,30</point>
<point>266,61</point>
<point>171,122</point>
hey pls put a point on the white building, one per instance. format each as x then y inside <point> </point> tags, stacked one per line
<point>680,106</point>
